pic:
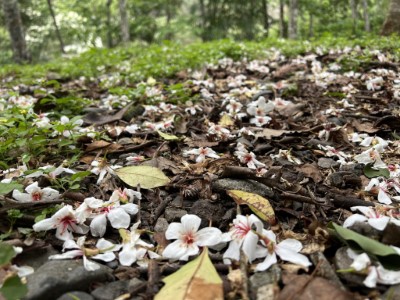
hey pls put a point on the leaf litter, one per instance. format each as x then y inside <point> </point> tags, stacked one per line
<point>309,135</point>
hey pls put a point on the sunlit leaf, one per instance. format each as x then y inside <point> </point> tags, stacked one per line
<point>5,188</point>
<point>259,205</point>
<point>226,120</point>
<point>145,176</point>
<point>197,279</point>
<point>6,253</point>
<point>168,137</point>
<point>387,255</point>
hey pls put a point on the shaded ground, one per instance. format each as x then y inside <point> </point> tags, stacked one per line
<point>321,111</point>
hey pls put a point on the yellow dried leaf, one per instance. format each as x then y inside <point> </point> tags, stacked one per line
<point>226,120</point>
<point>259,205</point>
<point>197,279</point>
<point>145,176</point>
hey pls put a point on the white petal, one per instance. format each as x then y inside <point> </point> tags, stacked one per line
<point>249,245</point>
<point>50,194</point>
<point>44,225</point>
<point>350,221</point>
<point>361,262</point>
<point>89,265</point>
<point>127,256</point>
<point>104,244</point>
<point>98,225</point>
<point>208,236</point>
<point>33,187</point>
<point>233,251</point>
<point>292,256</point>
<point>23,271</point>
<point>388,276</point>
<point>174,231</point>
<point>107,257</point>
<point>119,218</point>
<point>253,220</point>
<point>291,244</point>
<point>67,255</point>
<point>70,244</point>
<point>269,261</point>
<point>22,197</point>
<point>79,228</point>
<point>371,279</point>
<point>62,233</point>
<point>383,197</point>
<point>130,208</point>
<point>379,223</point>
<point>92,202</point>
<point>178,250</point>
<point>190,223</point>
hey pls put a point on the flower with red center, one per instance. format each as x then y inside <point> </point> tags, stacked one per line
<point>64,221</point>
<point>371,156</point>
<point>189,238</point>
<point>35,193</point>
<point>202,153</point>
<point>247,158</point>
<point>369,215</point>
<point>242,236</point>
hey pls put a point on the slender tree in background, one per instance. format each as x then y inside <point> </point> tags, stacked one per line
<point>282,24</point>
<point>12,17</point>
<point>265,16</point>
<point>353,7</point>
<point>124,21</point>
<point>293,12</point>
<point>109,29</point>
<point>53,16</point>
<point>367,25</point>
<point>392,22</point>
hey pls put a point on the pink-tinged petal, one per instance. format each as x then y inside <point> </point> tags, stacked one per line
<point>208,236</point>
<point>291,244</point>
<point>22,197</point>
<point>233,251</point>
<point>292,256</point>
<point>270,235</point>
<point>98,225</point>
<point>372,278</point>
<point>190,223</point>
<point>130,208</point>
<point>174,231</point>
<point>350,221</point>
<point>67,255</point>
<point>62,233</point>
<point>107,257</point>
<point>46,224</point>
<point>249,245</point>
<point>119,218</point>
<point>89,265</point>
<point>268,262</point>
<point>200,158</point>
<point>383,197</point>
<point>379,223</point>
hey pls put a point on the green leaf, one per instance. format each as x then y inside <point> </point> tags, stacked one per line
<point>80,175</point>
<point>5,188</point>
<point>386,255</point>
<point>145,176</point>
<point>6,253</point>
<point>371,173</point>
<point>197,279</point>
<point>168,137</point>
<point>13,288</point>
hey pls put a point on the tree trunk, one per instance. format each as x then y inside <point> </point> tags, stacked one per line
<point>14,25</point>
<point>282,24</point>
<point>266,17</point>
<point>53,16</point>
<point>124,21</point>
<point>353,7</point>
<point>367,25</point>
<point>293,12</point>
<point>392,22</point>
<point>109,30</point>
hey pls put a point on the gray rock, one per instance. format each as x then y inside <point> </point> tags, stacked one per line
<point>342,262</point>
<point>75,296</point>
<point>134,284</point>
<point>393,293</point>
<point>262,284</point>
<point>208,210</point>
<point>57,277</point>
<point>161,225</point>
<point>111,290</point>
<point>172,214</point>
<point>327,163</point>
<point>37,258</point>
<point>250,186</point>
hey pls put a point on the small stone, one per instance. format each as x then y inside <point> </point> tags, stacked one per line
<point>76,295</point>
<point>58,277</point>
<point>161,225</point>
<point>111,290</point>
<point>174,214</point>
<point>133,284</point>
<point>327,163</point>
<point>250,186</point>
<point>208,210</point>
<point>262,284</point>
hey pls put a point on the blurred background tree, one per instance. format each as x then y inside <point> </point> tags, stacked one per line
<point>45,29</point>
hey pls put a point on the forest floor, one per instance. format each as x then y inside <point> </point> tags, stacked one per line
<point>294,162</point>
